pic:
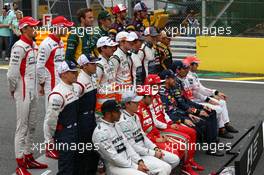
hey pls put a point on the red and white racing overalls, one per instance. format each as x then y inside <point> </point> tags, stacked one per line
<point>50,55</point>
<point>148,126</point>
<point>21,77</point>
<point>163,122</point>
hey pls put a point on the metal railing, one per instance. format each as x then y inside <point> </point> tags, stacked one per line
<point>182,47</point>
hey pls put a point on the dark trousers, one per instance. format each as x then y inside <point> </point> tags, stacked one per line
<point>67,163</point>
<point>15,38</point>
<point>4,45</point>
<point>207,128</point>
<point>89,158</point>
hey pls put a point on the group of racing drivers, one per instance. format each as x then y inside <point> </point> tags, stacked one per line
<point>117,91</point>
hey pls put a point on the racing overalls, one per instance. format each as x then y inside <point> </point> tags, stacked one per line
<point>106,82</point>
<point>50,55</point>
<point>21,78</point>
<point>165,56</point>
<point>61,123</point>
<point>119,63</point>
<point>206,127</point>
<point>119,26</point>
<point>86,123</point>
<point>80,42</point>
<point>138,24</point>
<point>145,116</point>
<point>202,95</point>
<point>163,122</point>
<point>100,32</point>
<point>120,158</point>
<point>131,128</point>
<point>135,62</point>
<point>149,61</point>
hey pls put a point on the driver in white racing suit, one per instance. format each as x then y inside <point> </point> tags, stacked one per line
<point>120,158</point>
<point>50,56</point>
<point>131,128</point>
<point>209,97</point>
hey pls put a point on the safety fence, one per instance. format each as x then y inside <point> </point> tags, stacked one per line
<point>182,47</point>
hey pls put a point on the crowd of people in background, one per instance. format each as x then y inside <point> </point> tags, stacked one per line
<point>9,32</point>
<point>119,91</point>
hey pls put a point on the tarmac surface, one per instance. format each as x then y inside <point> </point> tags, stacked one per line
<point>245,104</point>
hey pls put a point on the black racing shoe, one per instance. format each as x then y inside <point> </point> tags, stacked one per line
<point>225,135</point>
<point>231,129</point>
<point>216,153</point>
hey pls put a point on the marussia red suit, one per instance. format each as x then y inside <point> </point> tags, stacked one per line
<point>163,122</point>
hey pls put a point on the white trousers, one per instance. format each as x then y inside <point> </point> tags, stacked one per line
<point>114,170</point>
<point>26,109</point>
<point>47,135</point>
<point>156,166</point>
<point>171,159</point>
<point>221,110</point>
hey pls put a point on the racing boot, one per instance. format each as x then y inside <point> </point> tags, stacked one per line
<point>51,152</point>
<point>187,170</point>
<point>21,168</point>
<point>223,133</point>
<point>230,128</point>
<point>31,163</point>
<point>196,166</point>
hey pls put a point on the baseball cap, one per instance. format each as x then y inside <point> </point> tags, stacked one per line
<point>131,96</point>
<point>147,90</point>
<point>124,36</point>
<point>104,15</point>
<point>27,21</point>
<point>110,106</point>
<point>105,41</point>
<point>83,59</point>
<point>151,31</point>
<point>152,79</point>
<point>140,6</point>
<point>192,59</point>
<point>66,66</point>
<point>137,35</point>
<point>119,8</point>
<point>167,74</point>
<point>133,35</point>
<point>61,21</point>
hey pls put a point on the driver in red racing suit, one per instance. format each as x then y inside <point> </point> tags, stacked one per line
<point>167,143</point>
<point>167,127</point>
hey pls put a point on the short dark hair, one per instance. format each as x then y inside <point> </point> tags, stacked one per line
<point>81,13</point>
<point>100,48</point>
